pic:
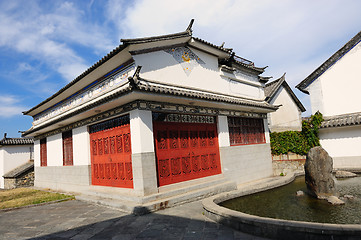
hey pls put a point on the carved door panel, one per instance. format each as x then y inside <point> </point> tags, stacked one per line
<point>111,157</point>
<point>185,151</point>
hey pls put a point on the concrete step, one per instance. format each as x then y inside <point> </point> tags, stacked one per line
<point>125,194</point>
<point>190,196</point>
<point>147,204</point>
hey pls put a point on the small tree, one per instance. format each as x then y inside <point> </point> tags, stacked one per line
<point>310,129</point>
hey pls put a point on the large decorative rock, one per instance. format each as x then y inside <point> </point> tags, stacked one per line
<point>318,174</point>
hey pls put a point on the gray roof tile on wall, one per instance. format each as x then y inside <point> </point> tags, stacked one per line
<point>149,86</point>
<point>272,88</point>
<point>20,170</point>
<point>16,141</point>
<point>342,120</point>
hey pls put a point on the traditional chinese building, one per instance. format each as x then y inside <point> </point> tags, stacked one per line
<point>157,117</point>
<point>288,117</point>
<point>334,89</point>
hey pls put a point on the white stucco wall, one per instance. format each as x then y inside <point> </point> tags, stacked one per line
<point>12,157</point>
<point>54,145</point>
<point>337,90</point>
<point>288,116</point>
<point>81,146</point>
<point>266,131</point>
<point>343,141</point>
<point>36,153</point>
<point>316,96</point>
<point>343,144</point>
<point>141,131</point>
<point>161,66</point>
<point>223,131</point>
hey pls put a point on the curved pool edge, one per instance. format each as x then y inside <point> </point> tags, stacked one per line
<point>269,227</point>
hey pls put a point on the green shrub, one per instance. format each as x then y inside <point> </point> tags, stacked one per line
<point>299,142</point>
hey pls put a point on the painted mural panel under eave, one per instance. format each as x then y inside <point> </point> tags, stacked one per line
<point>197,70</point>
<point>337,90</point>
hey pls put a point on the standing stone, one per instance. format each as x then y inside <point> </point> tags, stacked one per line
<point>318,173</point>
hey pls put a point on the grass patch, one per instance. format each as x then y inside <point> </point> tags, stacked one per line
<point>20,197</point>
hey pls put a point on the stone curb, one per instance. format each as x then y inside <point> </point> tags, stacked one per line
<point>274,228</point>
<point>36,205</point>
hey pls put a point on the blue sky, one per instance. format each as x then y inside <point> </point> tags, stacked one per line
<point>46,44</point>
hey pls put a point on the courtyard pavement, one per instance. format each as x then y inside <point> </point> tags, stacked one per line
<point>81,220</point>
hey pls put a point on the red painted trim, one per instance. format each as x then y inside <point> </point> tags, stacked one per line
<point>43,153</point>
<point>67,148</point>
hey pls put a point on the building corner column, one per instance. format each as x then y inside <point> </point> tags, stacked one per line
<point>143,155</point>
<point>266,130</point>
<point>223,131</point>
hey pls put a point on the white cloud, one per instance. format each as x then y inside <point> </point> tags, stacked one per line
<point>47,35</point>
<point>9,106</point>
<point>31,78</point>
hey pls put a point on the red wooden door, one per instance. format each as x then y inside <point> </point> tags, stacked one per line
<point>67,148</point>
<point>43,153</point>
<point>111,157</point>
<point>185,151</point>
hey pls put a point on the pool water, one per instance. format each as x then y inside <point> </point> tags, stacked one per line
<point>283,203</point>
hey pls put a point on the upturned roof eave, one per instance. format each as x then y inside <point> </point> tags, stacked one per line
<point>126,43</point>
<point>139,84</point>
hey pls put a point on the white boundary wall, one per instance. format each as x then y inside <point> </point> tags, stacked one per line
<point>343,145</point>
<point>11,157</point>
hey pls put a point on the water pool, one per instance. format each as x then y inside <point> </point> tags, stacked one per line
<point>282,203</point>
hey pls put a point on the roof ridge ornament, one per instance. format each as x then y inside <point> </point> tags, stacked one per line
<point>189,28</point>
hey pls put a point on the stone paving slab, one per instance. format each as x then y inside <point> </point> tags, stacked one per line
<point>82,220</point>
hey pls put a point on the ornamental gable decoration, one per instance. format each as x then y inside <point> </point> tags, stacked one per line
<point>186,57</point>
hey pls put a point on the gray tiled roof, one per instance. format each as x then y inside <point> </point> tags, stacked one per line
<point>272,88</point>
<point>125,43</point>
<point>342,120</point>
<point>137,83</point>
<point>20,170</point>
<point>16,141</point>
<point>156,38</point>
<point>329,62</point>
<point>228,50</point>
<point>170,89</point>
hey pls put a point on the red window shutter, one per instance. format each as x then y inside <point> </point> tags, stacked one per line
<point>67,148</point>
<point>43,157</point>
<point>244,131</point>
